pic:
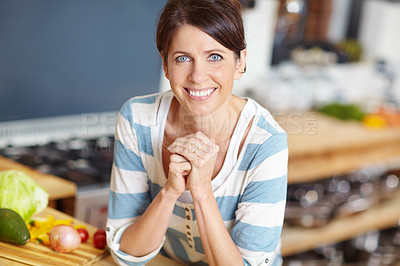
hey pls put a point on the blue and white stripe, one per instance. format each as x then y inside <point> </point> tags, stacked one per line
<point>251,199</point>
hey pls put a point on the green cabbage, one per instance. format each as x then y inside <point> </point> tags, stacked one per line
<point>19,192</point>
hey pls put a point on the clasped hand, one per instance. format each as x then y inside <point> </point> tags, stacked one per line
<point>192,163</point>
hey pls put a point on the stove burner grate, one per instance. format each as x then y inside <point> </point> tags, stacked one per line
<point>82,161</point>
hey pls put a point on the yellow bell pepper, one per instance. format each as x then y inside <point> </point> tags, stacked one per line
<point>374,121</point>
<point>40,228</point>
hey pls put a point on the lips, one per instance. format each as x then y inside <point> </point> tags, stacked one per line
<point>200,94</point>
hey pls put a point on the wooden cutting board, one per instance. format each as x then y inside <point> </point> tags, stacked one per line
<point>38,254</point>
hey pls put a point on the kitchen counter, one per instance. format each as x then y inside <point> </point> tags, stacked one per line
<point>86,254</point>
<point>321,146</point>
<point>157,261</point>
<point>108,261</point>
<point>58,188</point>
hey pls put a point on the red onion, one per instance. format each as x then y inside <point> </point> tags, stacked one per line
<point>64,238</point>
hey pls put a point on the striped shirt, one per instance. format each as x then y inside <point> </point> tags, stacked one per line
<point>251,197</point>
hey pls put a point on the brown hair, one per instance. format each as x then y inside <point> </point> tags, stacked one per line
<point>220,19</point>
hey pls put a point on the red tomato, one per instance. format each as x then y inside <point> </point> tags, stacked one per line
<point>99,241</point>
<point>100,232</point>
<point>84,234</point>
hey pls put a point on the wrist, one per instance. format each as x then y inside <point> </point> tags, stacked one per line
<point>202,193</point>
<point>169,193</point>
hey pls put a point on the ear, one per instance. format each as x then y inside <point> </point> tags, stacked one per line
<point>240,65</point>
<point>165,66</point>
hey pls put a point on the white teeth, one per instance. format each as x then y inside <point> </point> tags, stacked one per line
<point>202,93</point>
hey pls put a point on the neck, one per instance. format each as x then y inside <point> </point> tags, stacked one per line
<point>218,125</point>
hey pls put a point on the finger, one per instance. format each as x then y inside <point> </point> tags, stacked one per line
<point>183,139</point>
<point>176,158</point>
<point>190,155</point>
<point>199,144</point>
<point>209,145</point>
<point>190,138</point>
<point>203,138</point>
<point>208,153</point>
<point>180,163</point>
<point>187,145</point>
<point>180,166</point>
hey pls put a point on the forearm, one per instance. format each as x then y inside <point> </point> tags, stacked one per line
<point>146,234</point>
<point>217,242</point>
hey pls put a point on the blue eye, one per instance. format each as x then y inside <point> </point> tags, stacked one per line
<point>182,58</point>
<point>215,57</point>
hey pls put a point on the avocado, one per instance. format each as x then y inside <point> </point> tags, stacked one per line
<point>13,228</point>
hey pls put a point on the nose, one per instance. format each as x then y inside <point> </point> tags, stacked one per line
<point>198,73</point>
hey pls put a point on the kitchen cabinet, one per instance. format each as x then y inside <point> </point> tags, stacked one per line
<point>320,147</point>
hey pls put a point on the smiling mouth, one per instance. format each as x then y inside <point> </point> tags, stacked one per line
<point>200,93</point>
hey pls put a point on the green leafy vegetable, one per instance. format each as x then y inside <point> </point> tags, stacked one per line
<point>19,192</point>
<point>343,111</point>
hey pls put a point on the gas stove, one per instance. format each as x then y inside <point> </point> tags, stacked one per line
<point>78,148</point>
<point>86,162</point>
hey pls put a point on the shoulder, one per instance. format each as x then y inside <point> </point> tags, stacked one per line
<point>264,123</point>
<point>143,109</point>
<point>266,138</point>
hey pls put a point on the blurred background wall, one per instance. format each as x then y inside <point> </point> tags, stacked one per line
<point>71,57</point>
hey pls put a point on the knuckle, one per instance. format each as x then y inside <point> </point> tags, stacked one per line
<point>216,147</point>
<point>173,168</point>
<point>187,145</point>
<point>200,163</point>
<point>174,157</point>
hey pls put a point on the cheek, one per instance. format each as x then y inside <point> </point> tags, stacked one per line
<point>171,75</point>
<point>177,73</point>
<point>224,75</point>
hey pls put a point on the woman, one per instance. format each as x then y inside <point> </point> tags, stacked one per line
<point>198,171</point>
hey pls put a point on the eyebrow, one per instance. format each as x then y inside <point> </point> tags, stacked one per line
<point>206,52</point>
<point>215,50</point>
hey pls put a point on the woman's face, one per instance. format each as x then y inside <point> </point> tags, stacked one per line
<point>201,71</point>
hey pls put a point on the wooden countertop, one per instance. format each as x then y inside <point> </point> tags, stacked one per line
<point>322,146</point>
<point>107,261</point>
<point>57,187</point>
<point>86,254</point>
<point>157,261</point>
